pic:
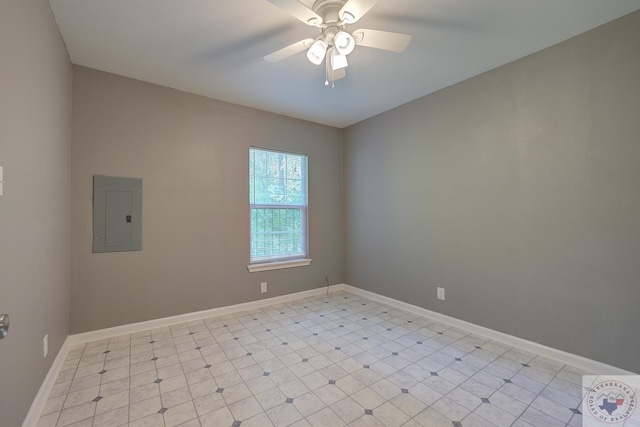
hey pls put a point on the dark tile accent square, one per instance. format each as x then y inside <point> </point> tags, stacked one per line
<point>384,312</point>
<point>368,412</point>
<point>236,423</point>
<point>409,321</point>
<point>439,333</point>
<point>388,329</point>
<point>225,326</point>
<point>342,326</point>
<point>102,372</point>
<point>434,374</point>
<point>268,330</point>
<point>576,411</point>
<point>365,366</point>
<point>315,334</point>
<point>191,333</point>
<point>249,354</point>
<point>507,380</point>
<point>418,342</point>
<point>322,315</point>
<point>198,348</point>
<point>526,365</point>
<point>457,424</point>
<point>106,352</point>
<point>207,366</point>
<point>364,304</point>
<point>154,359</point>
<point>364,318</point>
<point>484,400</point>
<point>266,374</point>
<point>236,338</point>
<point>297,323</point>
<point>285,343</point>
<point>395,353</point>
<point>337,348</point>
<point>344,309</point>
<point>97,399</point>
<point>332,382</point>
<point>289,400</point>
<point>151,342</point>
<point>305,360</point>
<point>404,390</point>
<point>478,347</point>
<point>282,312</point>
<point>365,338</point>
<point>162,410</point>
<point>219,390</point>
<point>255,318</point>
<point>458,359</point>
<point>158,381</point>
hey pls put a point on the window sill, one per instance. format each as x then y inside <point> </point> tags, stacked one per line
<point>253,268</point>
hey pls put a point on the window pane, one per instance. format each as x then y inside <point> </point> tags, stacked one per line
<point>294,192</point>
<point>278,205</point>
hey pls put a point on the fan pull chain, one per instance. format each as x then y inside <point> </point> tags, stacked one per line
<point>326,80</point>
<point>326,71</point>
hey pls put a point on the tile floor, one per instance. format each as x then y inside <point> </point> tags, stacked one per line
<point>330,360</point>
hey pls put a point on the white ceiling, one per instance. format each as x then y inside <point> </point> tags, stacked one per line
<point>215,47</point>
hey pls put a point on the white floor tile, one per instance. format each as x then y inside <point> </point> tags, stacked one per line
<point>326,361</point>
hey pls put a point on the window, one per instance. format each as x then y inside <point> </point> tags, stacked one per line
<point>278,202</point>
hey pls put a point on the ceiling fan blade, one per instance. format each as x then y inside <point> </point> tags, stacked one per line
<point>338,74</point>
<point>396,42</point>
<point>333,75</point>
<point>288,51</point>
<point>299,11</point>
<point>355,9</point>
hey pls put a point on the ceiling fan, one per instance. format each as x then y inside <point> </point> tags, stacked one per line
<point>335,42</point>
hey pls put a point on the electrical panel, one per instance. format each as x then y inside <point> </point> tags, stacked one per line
<point>117,214</point>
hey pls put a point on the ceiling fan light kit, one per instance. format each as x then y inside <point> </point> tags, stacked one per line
<point>338,61</point>
<point>317,51</point>
<point>334,43</point>
<point>344,42</point>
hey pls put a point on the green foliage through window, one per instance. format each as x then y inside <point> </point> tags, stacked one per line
<point>278,201</point>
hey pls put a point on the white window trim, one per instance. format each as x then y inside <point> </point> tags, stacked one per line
<point>287,260</point>
<point>276,265</point>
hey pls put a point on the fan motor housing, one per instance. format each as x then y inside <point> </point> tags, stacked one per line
<point>329,10</point>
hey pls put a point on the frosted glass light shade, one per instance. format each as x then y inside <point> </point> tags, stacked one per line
<point>338,61</point>
<point>344,43</point>
<point>317,51</point>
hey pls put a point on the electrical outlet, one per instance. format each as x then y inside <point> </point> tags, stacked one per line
<point>441,293</point>
<point>45,345</point>
<point>263,287</point>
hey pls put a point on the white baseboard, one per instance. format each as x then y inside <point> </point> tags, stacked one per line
<point>587,365</point>
<point>192,317</point>
<point>40,400</point>
<point>38,403</point>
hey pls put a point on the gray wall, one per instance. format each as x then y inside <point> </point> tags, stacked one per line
<point>192,155</point>
<point>35,126</point>
<point>518,191</point>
